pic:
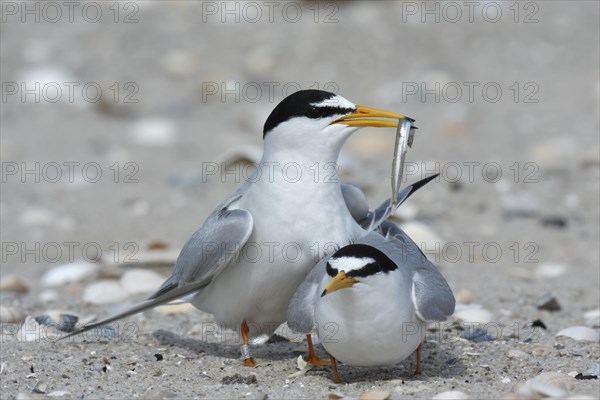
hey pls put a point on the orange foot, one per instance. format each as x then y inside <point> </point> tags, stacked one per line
<point>312,358</point>
<point>249,362</point>
<point>315,361</point>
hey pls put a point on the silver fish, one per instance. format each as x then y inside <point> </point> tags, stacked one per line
<point>404,139</point>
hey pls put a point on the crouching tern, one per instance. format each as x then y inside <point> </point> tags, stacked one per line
<point>369,302</point>
<point>285,212</point>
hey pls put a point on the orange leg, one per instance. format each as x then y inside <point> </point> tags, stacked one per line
<point>312,358</point>
<point>418,370</point>
<point>336,376</point>
<point>248,361</point>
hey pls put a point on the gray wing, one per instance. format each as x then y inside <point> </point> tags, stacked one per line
<point>203,257</point>
<point>210,248</point>
<point>301,310</point>
<point>356,201</point>
<point>381,213</point>
<point>432,296</point>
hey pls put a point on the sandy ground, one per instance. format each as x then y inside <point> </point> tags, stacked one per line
<point>507,106</point>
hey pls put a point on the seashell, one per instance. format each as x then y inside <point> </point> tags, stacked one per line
<point>474,315</point>
<point>451,395</point>
<point>550,270</point>
<point>59,393</point>
<point>141,281</point>
<point>580,333</point>
<point>301,363</point>
<point>104,292</point>
<point>13,283</point>
<point>70,273</point>
<point>302,366</point>
<point>375,395</point>
<point>551,384</point>
<point>463,296</point>
<point>11,315</point>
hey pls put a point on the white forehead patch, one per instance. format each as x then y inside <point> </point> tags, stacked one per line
<point>335,101</point>
<point>350,263</point>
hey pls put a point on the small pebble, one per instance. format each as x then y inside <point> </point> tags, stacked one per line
<point>474,315</point>
<point>239,379</point>
<point>138,281</point>
<point>554,222</point>
<point>153,131</point>
<point>11,315</point>
<point>29,331</point>
<point>13,283</point>
<point>48,296</point>
<point>594,369</point>
<point>550,270</point>
<point>582,377</point>
<point>59,393</point>
<point>592,318</point>
<point>179,63</point>
<point>35,216</point>
<point>580,333</point>
<point>375,395</point>
<point>104,292</point>
<point>451,395</point>
<point>538,323</point>
<point>520,204</point>
<point>70,273</point>
<point>516,353</point>
<point>40,387</point>
<point>463,296</point>
<point>549,303</point>
<point>476,335</point>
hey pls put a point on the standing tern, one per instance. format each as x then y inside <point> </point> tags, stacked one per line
<point>286,212</point>
<point>369,302</point>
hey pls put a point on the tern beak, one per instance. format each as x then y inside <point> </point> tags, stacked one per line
<point>364,116</point>
<point>339,282</point>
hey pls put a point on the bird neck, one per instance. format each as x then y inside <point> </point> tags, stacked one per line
<point>305,151</point>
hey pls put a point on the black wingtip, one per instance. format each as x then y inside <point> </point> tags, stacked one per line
<point>410,119</point>
<point>424,181</point>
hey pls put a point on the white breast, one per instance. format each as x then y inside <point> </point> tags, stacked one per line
<point>370,324</point>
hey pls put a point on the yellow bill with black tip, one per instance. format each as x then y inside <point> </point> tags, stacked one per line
<point>365,116</point>
<point>340,281</point>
